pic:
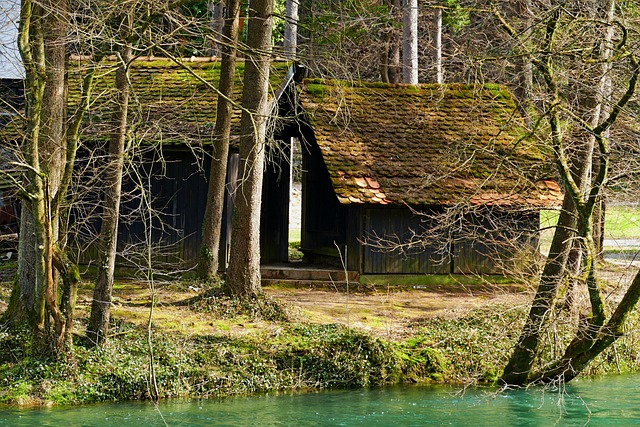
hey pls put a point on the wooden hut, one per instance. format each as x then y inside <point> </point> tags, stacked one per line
<point>172,115</point>
<point>426,179</point>
<point>383,166</point>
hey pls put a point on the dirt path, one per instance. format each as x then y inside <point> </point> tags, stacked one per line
<point>389,312</point>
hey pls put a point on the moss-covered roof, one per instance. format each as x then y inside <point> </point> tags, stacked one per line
<point>431,144</point>
<point>168,103</point>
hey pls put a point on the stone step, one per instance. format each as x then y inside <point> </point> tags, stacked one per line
<point>303,273</point>
<point>311,284</point>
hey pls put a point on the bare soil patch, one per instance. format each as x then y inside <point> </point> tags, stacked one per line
<point>390,312</point>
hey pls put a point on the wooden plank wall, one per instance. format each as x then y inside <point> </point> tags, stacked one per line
<point>488,243</point>
<point>397,224</point>
<point>494,241</point>
<point>176,187</point>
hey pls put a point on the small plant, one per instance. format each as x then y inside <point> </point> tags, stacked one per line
<point>295,254</point>
<point>262,307</point>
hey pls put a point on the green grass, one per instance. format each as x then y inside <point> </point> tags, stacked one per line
<point>294,235</point>
<point>621,222</point>
<point>298,356</point>
<point>435,281</point>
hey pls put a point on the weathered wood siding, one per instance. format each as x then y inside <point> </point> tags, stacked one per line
<point>490,242</point>
<point>494,241</point>
<point>398,225</point>
<point>176,187</point>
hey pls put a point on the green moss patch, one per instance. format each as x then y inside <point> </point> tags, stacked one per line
<point>450,282</point>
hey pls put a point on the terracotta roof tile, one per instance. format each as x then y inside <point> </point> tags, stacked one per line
<point>434,144</point>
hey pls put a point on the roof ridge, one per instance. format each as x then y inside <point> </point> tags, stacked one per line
<point>383,85</point>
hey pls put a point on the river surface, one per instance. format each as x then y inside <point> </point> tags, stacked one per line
<point>607,401</point>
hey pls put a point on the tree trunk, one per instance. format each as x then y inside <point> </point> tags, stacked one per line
<point>410,42</point>
<point>243,276</point>
<point>209,262</point>
<point>524,68</point>
<point>526,350</point>
<point>98,326</point>
<point>437,44</point>
<point>217,21</point>
<point>53,152</point>
<point>22,305</point>
<point>291,29</point>
<point>390,58</point>
<point>606,87</point>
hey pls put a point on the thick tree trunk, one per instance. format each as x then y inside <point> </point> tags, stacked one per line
<point>209,262</point>
<point>98,326</point>
<point>243,276</point>
<point>526,350</point>
<point>410,42</point>
<point>23,305</point>
<point>53,154</point>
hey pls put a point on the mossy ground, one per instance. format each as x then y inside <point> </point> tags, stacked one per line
<point>206,345</point>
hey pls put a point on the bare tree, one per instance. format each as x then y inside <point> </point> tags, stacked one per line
<point>583,184</point>
<point>98,325</point>
<point>211,224</point>
<point>49,153</point>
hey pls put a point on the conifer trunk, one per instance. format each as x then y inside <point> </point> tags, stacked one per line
<point>243,276</point>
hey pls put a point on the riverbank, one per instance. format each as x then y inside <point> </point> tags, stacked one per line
<point>207,346</point>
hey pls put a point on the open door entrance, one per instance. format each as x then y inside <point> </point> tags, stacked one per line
<point>295,203</point>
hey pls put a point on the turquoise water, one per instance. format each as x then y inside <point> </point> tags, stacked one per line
<point>608,401</point>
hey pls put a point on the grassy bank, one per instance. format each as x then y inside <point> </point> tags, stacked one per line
<point>287,356</point>
<point>243,349</point>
